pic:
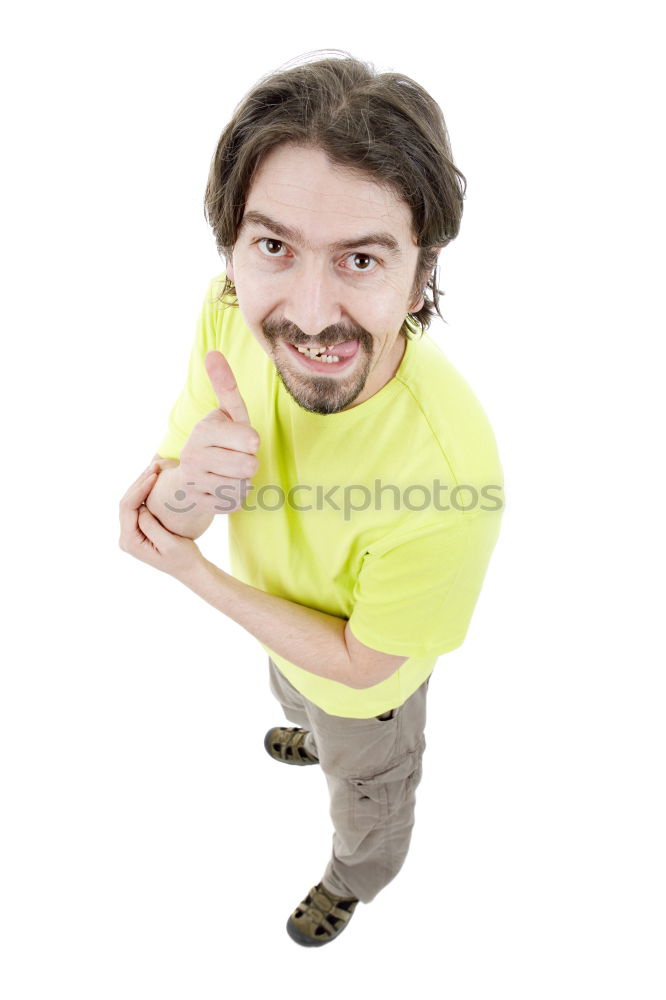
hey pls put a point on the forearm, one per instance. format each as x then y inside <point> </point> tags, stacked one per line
<point>308,638</point>
<point>162,497</point>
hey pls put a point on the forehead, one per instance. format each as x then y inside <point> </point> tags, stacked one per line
<point>301,187</point>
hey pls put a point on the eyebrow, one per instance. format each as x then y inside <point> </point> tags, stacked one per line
<point>377,239</point>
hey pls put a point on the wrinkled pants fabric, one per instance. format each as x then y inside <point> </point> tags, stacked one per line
<point>372,767</point>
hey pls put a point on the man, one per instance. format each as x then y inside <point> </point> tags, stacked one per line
<point>358,470</point>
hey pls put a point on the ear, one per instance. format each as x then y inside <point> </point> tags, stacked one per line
<point>418,303</point>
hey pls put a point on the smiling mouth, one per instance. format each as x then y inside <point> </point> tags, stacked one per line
<point>331,358</point>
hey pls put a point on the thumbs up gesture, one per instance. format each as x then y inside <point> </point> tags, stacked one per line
<point>220,455</point>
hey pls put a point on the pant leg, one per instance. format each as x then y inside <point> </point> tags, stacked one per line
<point>293,704</point>
<point>373,768</point>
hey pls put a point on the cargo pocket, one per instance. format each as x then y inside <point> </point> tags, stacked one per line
<point>369,804</point>
<point>372,798</point>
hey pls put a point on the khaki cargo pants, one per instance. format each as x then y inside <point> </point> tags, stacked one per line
<point>372,767</point>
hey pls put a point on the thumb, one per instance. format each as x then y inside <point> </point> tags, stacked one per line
<point>225,387</point>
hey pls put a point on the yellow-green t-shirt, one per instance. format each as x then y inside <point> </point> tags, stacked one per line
<point>346,513</point>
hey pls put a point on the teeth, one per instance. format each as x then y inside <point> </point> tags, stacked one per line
<point>316,353</point>
<point>310,350</point>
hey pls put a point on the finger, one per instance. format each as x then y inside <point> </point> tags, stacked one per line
<point>140,487</point>
<point>225,386</point>
<point>217,427</point>
<point>213,484</point>
<point>223,494</point>
<point>152,528</point>
<point>233,464</point>
<point>133,499</point>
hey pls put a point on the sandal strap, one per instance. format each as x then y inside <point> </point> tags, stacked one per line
<point>291,739</point>
<point>314,913</point>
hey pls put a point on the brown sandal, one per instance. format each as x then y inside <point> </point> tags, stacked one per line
<point>287,746</point>
<point>320,918</point>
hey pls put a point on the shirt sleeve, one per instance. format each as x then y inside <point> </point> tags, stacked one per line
<point>415,596</point>
<point>197,397</point>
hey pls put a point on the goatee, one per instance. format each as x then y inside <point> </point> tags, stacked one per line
<point>320,393</point>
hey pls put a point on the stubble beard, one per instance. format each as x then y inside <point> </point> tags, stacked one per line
<point>319,393</point>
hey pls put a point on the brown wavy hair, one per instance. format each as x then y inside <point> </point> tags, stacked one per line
<point>382,124</point>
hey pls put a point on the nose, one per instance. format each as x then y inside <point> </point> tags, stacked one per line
<point>312,301</point>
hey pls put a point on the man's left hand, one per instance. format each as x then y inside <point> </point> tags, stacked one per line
<point>145,538</point>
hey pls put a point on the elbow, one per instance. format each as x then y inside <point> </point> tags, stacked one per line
<point>359,682</point>
<point>363,676</point>
<point>367,666</point>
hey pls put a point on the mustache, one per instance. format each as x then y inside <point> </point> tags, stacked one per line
<point>282,329</point>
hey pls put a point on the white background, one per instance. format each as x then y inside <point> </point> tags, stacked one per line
<point>150,849</point>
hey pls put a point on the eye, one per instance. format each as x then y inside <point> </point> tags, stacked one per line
<point>271,248</point>
<point>362,262</point>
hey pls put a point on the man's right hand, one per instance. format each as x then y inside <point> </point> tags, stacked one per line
<point>220,456</point>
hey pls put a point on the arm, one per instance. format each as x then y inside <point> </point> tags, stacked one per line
<point>314,641</point>
<point>320,643</point>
